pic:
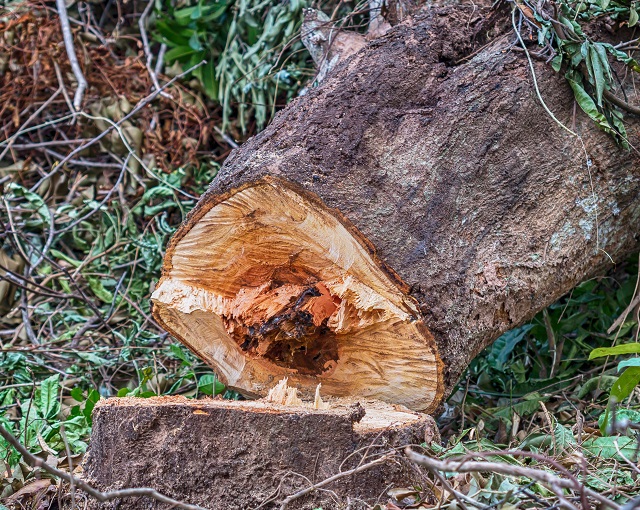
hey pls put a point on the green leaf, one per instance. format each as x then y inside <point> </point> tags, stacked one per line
<point>556,63</point>
<point>49,404</point>
<point>179,353</point>
<point>194,42</point>
<point>633,15</point>
<point>600,382</point>
<point>90,403</point>
<point>209,385</point>
<point>215,14</point>
<point>620,390</point>
<point>186,15</point>
<point>209,81</point>
<point>77,394</point>
<point>98,289</point>
<point>587,104</point>
<point>597,72</point>
<point>173,34</point>
<point>178,53</point>
<point>625,384</point>
<point>605,447</point>
<point>525,408</point>
<point>601,352</point>
<point>504,345</point>
<point>34,199</point>
<point>633,362</point>
<point>59,255</point>
<point>601,51</point>
<point>630,414</point>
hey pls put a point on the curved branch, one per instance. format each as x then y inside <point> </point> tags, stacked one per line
<point>620,103</point>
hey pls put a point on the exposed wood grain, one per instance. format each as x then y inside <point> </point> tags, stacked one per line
<point>269,283</point>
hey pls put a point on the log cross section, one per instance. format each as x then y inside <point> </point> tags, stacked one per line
<point>266,282</point>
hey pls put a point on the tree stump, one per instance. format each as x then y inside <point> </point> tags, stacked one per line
<point>222,454</point>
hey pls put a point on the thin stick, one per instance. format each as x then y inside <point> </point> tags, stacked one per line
<point>81,484</point>
<point>142,24</point>
<point>553,481</point>
<point>141,104</point>
<point>64,89</point>
<point>28,121</point>
<point>620,103</point>
<point>226,137</point>
<point>333,478</point>
<point>447,487</point>
<point>71,53</point>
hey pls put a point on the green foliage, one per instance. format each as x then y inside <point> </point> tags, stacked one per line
<point>41,422</point>
<point>587,62</point>
<point>551,354</point>
<point>251,47</point>
<point>92,311</point>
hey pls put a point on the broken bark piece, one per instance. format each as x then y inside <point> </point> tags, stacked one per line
<point>327,43</point>
<point>266,282</point>
<point>223,454</point>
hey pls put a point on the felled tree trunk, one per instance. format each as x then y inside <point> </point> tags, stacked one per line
<point>396,220</point>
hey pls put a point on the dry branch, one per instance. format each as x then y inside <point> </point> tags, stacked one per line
<point>552,480</point>
<point>71,53</point>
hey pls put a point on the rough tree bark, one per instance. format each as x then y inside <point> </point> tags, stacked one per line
<point>222,454</point>
<point>430,146</point>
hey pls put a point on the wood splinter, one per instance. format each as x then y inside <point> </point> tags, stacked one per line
<point>266,282</point>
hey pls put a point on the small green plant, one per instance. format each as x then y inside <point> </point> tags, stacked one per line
<point>626,382</point>
<point>251,47</point>
<point>43,427</point>
<point>560,29</point>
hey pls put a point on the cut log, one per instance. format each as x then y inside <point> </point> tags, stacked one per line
<point>238,455</point>
<point>422,184</point>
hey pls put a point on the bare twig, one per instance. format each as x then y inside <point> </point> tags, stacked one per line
<point>56,67</point>
<point>612,98</point>
<point>333,478</point>
<point>71,53</point>
<point>160,58</point>
<point>142,24</point>
<point>139,106</point>
<point>460,498</point>
<point>226,137</point>
<point>634,302</point>
<point>81,484</point>
<point>555,483</point>
<point>102,202</point>
<point>70,462</point>
<point>632,504</point>
<point>28,121</point>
